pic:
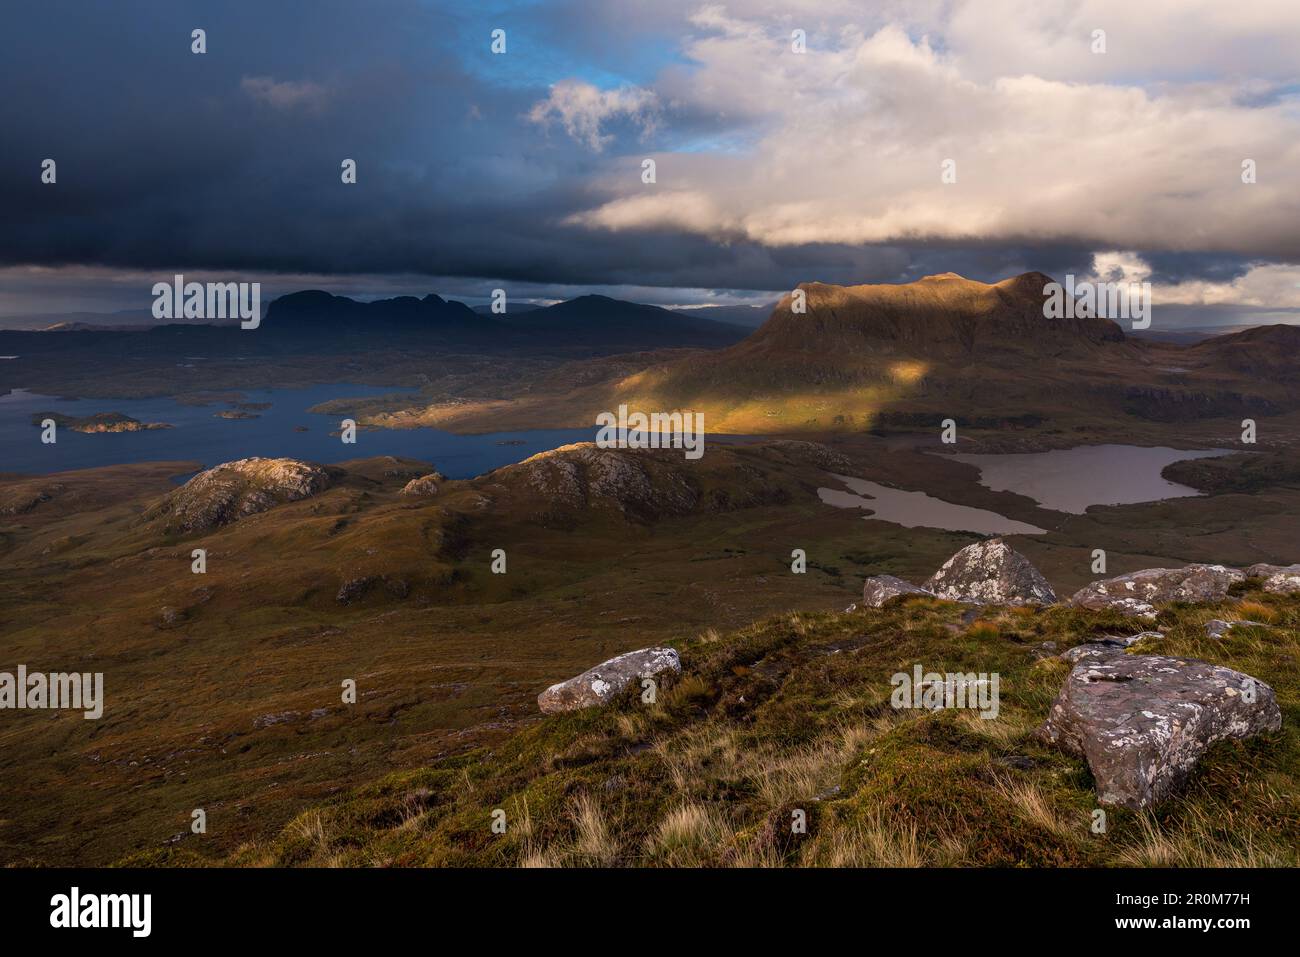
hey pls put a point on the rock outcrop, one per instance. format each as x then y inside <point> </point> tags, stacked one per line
<point>879,589</point>
<point>635,483</point>
<point>602,683</point>
<point>1105,647</point>
<point>1137,593</point>
<point>990,573</point>
<point>235,490</point>
<point>422,487</point>
<point>1217,627</point>
<point>1278,579</point>
<point>1143,721</point>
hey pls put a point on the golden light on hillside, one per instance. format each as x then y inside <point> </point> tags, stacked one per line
<point>908,371</point>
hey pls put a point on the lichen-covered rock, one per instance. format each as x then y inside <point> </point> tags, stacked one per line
<point>990,573</point>
<point>881,588</point>
<point>1278,579</point>
<point>1217,628</point>
<point>423,486</point>
<point>1104,647</point>
<point>235,490</point>
<point>1143,721</point>
<point>603,682</point>
<point>634,482</point>
<point>1138,593</point>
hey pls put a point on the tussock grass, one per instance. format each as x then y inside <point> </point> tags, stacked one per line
<point>794,715</point>
<point>692,835</point>
<point>1257,611</point>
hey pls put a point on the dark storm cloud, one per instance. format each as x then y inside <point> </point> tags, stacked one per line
<point>230,160</point>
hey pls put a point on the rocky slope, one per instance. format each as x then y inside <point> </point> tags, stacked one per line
<point>236,490</point>
<point>787,743</point>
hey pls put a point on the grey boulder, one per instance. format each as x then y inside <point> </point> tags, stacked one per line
<point>1143,721</point>
<point>1217,627</point>
<point>599,685</point>
<point>990,573</point>
<point>1137,593</point>
<point>1278,579</point>
<point>879,589</point>
<point>1104,647</point>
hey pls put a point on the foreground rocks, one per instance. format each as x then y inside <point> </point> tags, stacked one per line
<point>235,490</point>
<point>1278,579</point>
<point>1137,593</point>
<point>603,683</point>
<point>1105,647</point>
<point>990,573</point>
<point>880,589</point>
<point>1217,627</point>
<point>1143,721</point>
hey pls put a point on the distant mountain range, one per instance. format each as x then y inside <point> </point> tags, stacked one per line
<point>315,322</point>
<point>911,354</point>
<point>598,325</point>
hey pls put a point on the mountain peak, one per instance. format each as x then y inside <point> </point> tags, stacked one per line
<point>938,314</point>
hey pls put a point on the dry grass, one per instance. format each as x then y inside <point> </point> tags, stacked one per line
<point>692,835</point>
<point>874,842</point>
<point>1257,611</point>
<point>1033,806</point>
<point>1195,846</point>
<point>594,845</point>
<point>807,771</point>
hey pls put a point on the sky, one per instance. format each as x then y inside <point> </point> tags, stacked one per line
<point>792,141</point>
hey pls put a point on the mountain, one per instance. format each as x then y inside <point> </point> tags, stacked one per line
<point>944,315</point>
<point>512,310</point>
<point>64,321</point>
<point>751,317</point>
<point>910,355</point>
<point>1264,351</point>
<point>617,325</point>
<point>598,325</point>
<point>316,310</point>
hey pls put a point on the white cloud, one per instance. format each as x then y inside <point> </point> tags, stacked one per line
<point>1051,142</point>
<point>1268,285</point>
<point>583,109</point>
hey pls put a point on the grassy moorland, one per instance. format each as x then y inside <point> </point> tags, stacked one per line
<point>794,713</point>
<point>223,689</point>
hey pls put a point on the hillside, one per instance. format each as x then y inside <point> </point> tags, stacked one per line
<point>793,715</point>
<point>224,685</point>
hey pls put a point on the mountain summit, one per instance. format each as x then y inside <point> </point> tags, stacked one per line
<point>945,315</point>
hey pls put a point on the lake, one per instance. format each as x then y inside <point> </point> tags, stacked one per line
<point>913,509</point>
<point>1070,480</point>
<point>198,435</point>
